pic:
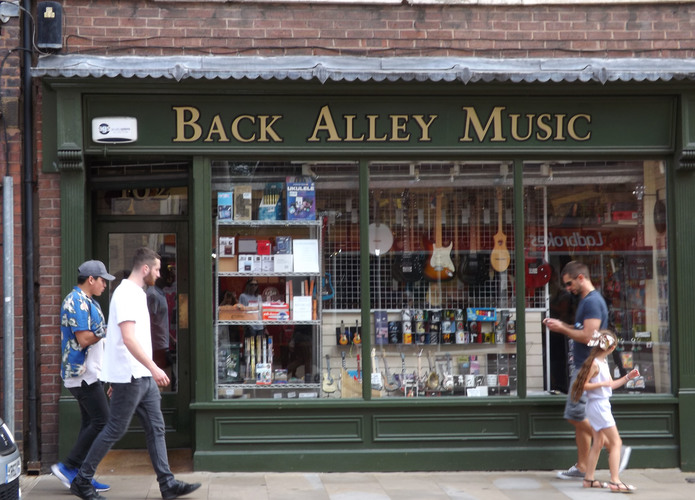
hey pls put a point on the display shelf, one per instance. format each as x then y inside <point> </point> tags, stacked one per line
<point>265,322</point>
<point>267,230</point>
<point>270,223</point>
<point>227,274</point>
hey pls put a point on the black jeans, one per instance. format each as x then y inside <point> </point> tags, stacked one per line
<point>94,410</point>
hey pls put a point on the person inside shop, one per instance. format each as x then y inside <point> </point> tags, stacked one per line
<point>159,321</point>
<point>250,299</point>
<point>300,352</point>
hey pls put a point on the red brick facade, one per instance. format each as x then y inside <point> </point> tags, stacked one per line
<point>154,28</point>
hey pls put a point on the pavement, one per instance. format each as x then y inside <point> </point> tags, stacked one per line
<point>667,484</point>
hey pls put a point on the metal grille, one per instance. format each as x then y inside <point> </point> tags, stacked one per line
<point>468,221</point>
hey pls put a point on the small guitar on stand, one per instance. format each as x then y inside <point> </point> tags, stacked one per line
<point>391,382</point>
<point>329,384</point>
<point>377,379</point>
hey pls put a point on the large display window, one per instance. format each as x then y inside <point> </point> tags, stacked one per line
<point>612,217</point>
<point>440,251</point>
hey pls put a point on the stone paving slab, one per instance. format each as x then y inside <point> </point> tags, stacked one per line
<point>652,484</point>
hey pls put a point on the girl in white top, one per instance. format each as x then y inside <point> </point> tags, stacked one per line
<point>594,377</point>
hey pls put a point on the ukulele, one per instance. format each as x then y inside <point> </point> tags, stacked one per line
<point>439,266</point>
<point>329,384</point>
<point>407,267</point>
<point>500,258</point>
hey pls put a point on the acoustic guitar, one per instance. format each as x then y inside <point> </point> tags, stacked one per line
<point>439,266</point>
<point>500,258</point>
<point>391,382</point>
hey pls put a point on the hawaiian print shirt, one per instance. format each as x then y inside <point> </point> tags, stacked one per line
<point>78,313</point>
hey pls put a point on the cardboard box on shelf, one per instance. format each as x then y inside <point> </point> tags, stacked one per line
<point>228,264</point>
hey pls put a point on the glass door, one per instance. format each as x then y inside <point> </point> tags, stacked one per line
<point>168,305</point>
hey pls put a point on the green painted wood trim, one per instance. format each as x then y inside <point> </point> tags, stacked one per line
<point>681,278</point>
<point>201,284</point>
<point>365,278</point>
<point>73,232</point>
<point>365,437</point>
<point>519,228</point>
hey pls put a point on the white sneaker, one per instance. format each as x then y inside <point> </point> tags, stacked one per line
<point>625,452</point>
<point>571,473</point>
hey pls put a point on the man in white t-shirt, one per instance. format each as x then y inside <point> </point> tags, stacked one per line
<point>82,330</point>
<point>134,377</point>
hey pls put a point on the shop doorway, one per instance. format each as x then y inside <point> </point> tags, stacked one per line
<point>169,312</point>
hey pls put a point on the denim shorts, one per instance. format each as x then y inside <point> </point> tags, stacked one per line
<point>575,410</point>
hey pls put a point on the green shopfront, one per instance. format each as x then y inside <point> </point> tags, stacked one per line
<point>357,270</point>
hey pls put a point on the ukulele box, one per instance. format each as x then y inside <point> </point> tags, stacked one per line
<point>301,198</point>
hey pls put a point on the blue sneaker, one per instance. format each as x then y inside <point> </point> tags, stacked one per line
<point>64,473</point>
<point>100,486</point>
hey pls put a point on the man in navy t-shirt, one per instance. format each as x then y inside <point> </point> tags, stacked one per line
<point>592,315</point>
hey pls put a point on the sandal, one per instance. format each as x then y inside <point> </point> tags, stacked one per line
<point>621,487</point>
<point>593,483</point>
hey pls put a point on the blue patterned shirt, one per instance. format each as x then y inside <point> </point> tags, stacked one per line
<point>78,313</point>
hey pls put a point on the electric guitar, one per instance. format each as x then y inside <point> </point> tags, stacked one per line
<point>439,267</point>
<point>344,338</point>
<point>329,384</point>
<point>357,337</point>
<point>407,267</point>
<point>473,270</point>
<point>327,291</point>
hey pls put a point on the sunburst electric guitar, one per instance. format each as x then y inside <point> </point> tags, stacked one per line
<point>439,266</point>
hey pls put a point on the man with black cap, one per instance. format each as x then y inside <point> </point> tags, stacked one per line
<point>82,327</point>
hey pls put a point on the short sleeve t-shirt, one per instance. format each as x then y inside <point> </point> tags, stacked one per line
<point>590,307</point>
<point>128,303</point>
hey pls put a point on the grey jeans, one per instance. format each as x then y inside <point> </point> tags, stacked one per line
<point>142,397</point>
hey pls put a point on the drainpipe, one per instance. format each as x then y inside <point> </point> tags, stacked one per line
<point>32,450</point>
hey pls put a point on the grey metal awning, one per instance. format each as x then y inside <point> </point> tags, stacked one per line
<point>365,69</point>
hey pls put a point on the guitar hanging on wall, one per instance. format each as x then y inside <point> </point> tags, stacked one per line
<point>407,267</point>
<point>439,266</point>
<point>500,258</point>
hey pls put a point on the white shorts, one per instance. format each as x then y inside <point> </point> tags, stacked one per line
<point>598,411</point>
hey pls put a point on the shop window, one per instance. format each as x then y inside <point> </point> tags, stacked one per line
<point>610,216</point>
<point>441,243</point>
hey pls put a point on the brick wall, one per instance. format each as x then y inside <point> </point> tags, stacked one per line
<point>168,28</point>
<point>127,27</point>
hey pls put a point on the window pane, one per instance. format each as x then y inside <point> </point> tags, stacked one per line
<point>611,217</point>
<point>442,277</point>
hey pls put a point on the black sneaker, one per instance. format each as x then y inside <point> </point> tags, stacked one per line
<point>179,489</point>
<point>84,489</point>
